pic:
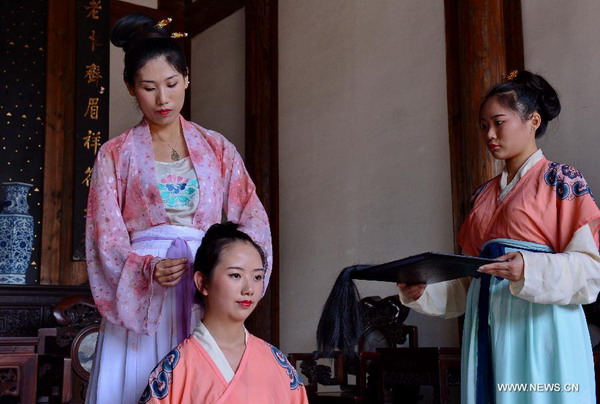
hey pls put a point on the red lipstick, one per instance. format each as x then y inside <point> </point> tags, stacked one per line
<point>245,303</point>
<point>164,112</point>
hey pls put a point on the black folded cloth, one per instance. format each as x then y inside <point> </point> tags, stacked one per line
<point>427,268</point>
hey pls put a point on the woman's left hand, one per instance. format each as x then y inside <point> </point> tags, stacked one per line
<point>512,267</point>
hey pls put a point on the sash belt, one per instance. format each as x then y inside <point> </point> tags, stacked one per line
<point>184,290</point>
<point>485,389</point>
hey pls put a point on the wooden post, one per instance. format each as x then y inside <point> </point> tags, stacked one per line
<point>60,109</point>
<point>479,35</point>
<point>477,40</point>
<point>262,158</point>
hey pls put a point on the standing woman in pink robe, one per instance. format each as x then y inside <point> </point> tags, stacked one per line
<point>155,190</point>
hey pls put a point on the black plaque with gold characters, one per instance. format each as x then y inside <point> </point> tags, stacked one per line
<point>22,110</point>
<point>91,110</point>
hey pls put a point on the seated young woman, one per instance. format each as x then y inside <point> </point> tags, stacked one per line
<point>221,362</point>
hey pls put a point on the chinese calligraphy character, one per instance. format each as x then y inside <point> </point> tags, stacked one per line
<point>93,73</point>
<point>88,176</point>
<point>92,108</point>
<point>94,8</point>
<point>92,140</point>
<point>93,41</point>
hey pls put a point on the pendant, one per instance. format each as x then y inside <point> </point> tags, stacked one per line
<point>174,155</point>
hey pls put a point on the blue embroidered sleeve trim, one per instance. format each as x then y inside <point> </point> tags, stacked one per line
<point>568,183</point>
<point>161,377</point>
<point>282,361</point>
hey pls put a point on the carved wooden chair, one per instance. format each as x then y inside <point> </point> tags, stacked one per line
<point>384,328</point>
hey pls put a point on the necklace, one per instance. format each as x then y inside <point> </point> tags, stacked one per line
<point>174,155</point>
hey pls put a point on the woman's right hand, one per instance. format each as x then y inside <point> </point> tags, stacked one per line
<point>168,272</point>
<point>413,291</point>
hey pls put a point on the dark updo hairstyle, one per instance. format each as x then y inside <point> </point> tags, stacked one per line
<point>216,239</point>
<point>525,94</point>
<point>142,41</point>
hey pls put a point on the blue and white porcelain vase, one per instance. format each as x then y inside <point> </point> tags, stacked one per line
<point>16,233</point>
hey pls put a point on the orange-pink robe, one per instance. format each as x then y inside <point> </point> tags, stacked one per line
<point>531,344</point>
<point>547,206</point>
<point>188,375</point>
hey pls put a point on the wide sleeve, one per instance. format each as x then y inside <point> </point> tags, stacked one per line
<point>570,277</point>
<point>444,299</point>
<point>120,280</point>
<point>241,204</point>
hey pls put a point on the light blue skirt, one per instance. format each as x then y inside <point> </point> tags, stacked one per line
<point>541,353</point>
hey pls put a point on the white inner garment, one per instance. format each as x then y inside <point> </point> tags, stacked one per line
<point>530,162</point>
<point>210,345</point>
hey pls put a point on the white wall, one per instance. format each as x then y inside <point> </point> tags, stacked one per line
<point>364,158</point>
<point>561,38</point>
<point>218,78</point>
<point>123,111</point>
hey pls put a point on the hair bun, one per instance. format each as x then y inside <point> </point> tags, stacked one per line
<point>526,93</point>
<point>546,96</point>
<point>132,28</point>
<point>222,230</point>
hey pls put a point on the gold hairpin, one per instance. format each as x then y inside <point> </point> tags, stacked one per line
<point>163,23</point>
<point>177,35</point>
<point>512,75</point>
